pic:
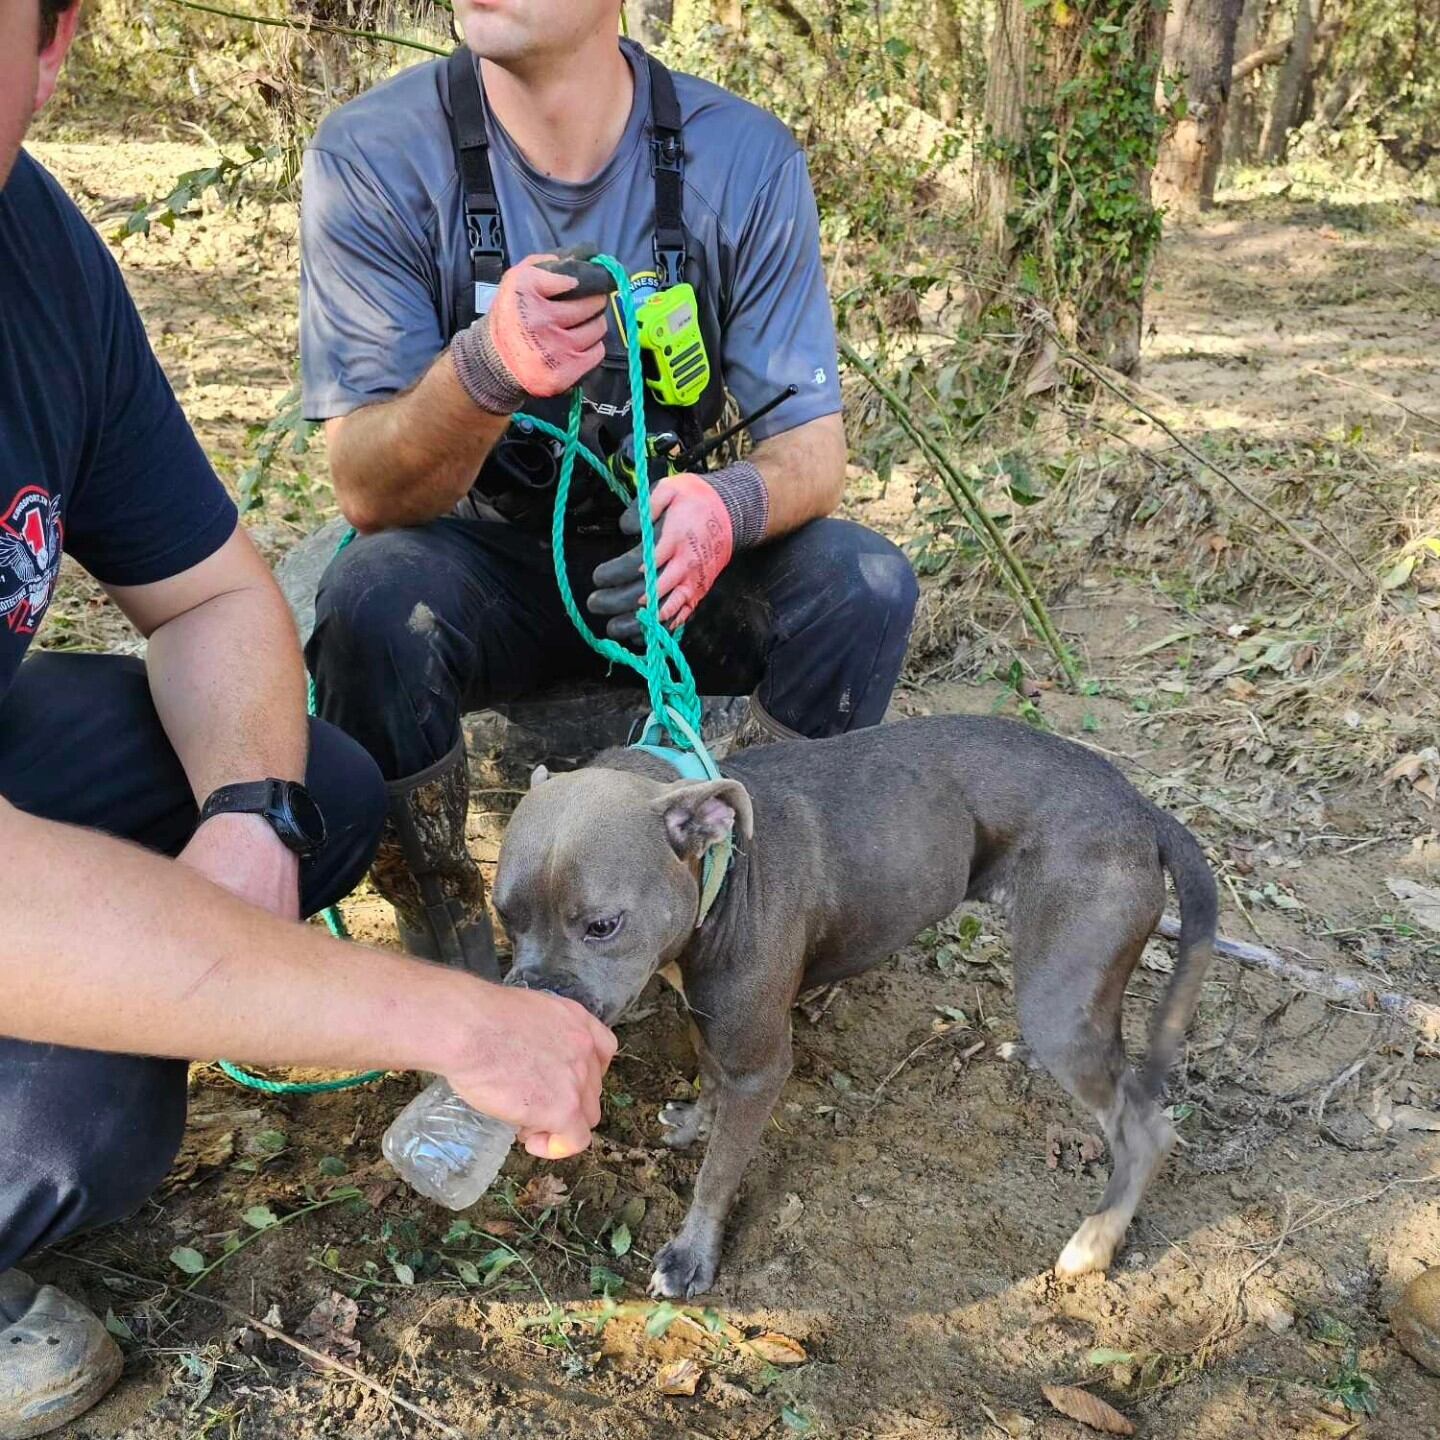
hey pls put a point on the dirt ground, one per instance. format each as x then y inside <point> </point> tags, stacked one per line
<point>887,1267</point>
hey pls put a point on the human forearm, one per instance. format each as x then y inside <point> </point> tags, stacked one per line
<point>142,956</point>
<point>229,686</point>
<point>804,473</point>
<point>122,950</point>
<point>407,460</point>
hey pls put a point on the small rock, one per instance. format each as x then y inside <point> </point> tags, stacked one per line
<point>1415,1319</point>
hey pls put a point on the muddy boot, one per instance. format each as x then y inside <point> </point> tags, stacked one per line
<point>56,1359</point>
<point>425,871</point>
<point>758,727</point>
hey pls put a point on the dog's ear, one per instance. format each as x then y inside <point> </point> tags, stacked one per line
<point>700,814</point>
<point>538,776</point>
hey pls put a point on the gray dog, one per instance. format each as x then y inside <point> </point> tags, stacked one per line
<point>844,850</point>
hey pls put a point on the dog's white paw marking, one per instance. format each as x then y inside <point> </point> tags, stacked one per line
<point>1091,1247</point>
<point>684,1122</point>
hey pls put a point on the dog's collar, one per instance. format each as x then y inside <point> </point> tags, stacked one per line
<point>715,864</point>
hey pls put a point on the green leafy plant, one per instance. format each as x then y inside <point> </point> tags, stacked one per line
<point>225,178</point>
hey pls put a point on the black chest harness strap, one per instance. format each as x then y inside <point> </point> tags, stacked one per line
<point>485,230</point>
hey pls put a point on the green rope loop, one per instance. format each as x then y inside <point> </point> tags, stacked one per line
<point>297,1087</point>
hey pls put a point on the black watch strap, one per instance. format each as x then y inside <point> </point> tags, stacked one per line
<point>285,805</point>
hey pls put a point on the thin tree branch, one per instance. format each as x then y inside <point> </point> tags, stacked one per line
<point>1340,989</point>
<point>792,16</point>
<point>1276,51</point>
<point>309,28</point>
<point>1011,567</point>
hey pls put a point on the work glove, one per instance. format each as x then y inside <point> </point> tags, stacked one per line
<point>545,332</point>
<point>700,522</point>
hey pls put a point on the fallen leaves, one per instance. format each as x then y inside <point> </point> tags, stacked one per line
<point>1077,1148</point>
<point>1088,1409</point>
<point>1386,1115</point>
<point>542,1192</point>
<point>681,1378</point>
<point>198,1156</point>
<point>330,1329</point>
<point>790,1213</point>
<point>776,1349</point>
<point>1420,769</point>
<point>1422,901</point>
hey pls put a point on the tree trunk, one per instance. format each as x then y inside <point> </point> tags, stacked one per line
<point>650,20</point>
<point>950,53</point>
<point>1066,204</point>
<point>1005,84</point>
<point>1200,48</point>
<point>1290,86</point>
<point>1240,119</point>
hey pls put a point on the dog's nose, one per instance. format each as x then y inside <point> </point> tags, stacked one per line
<point>566,986</point>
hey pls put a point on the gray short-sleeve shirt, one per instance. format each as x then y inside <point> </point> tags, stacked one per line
<point>383,240</point>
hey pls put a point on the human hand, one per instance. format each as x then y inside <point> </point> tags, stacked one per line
<point>547,343</point>
<point>694,540</point>
<point>244,855</point>
<point>535,1061</point>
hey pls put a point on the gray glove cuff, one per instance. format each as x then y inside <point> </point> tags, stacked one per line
<point>742,487</point>
<point>483,375</point>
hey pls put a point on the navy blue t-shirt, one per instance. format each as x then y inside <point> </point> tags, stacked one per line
<point>96,458</point>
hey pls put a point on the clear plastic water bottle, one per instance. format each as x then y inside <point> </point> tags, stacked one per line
<point>446,1149</point>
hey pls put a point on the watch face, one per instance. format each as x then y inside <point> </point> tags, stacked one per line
<point>306,815</point>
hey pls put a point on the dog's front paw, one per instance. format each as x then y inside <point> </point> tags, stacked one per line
<point>684,1122</point>
<point>684,1268</point>
<point>1091,1247</point>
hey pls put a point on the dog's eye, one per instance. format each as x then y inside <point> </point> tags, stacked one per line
<point>605,929</point>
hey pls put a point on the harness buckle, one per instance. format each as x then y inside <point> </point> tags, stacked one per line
<point>669,264</point>
<point>485,232</point>
<point>666,152</point>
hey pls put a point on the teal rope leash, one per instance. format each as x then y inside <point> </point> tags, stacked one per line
<point>674,699</point>
<point>663,666</point>
<point>335,924</point>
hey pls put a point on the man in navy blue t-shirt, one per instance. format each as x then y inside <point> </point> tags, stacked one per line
<point>110,955</point>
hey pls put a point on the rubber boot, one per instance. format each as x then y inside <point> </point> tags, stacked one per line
<point>759,727</point>
<point>56,1359</point>
<point>424,869</point>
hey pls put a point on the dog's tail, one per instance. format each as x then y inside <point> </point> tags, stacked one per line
<point>1181,855</point>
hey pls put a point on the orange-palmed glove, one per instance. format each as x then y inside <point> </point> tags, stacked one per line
<point>700,521</point>
<point>538,339</point>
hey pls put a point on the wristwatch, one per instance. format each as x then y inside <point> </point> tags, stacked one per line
<point>291,812</point>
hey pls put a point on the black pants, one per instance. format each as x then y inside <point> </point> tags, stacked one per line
<point>416,627</point>
<point>85,1137</point>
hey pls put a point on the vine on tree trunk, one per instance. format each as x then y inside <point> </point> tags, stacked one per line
<point>1079,226</point>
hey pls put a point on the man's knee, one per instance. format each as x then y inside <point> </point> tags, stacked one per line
<point>346,784</point>
<point>869,581</point>
<point>371,622</point>
<point>85,1139</point>
<point>390,654</point>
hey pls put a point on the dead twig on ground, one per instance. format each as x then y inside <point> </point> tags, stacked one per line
<point>1230,1317</point>
<point>1410,410</point>
<point>1341,989</point>
<point>316,1357</point>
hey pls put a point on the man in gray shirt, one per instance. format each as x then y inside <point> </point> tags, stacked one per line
<point>427,323</point>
